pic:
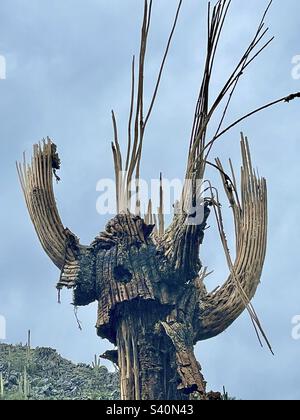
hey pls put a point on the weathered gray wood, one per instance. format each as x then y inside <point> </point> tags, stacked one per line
<point>148,285</point>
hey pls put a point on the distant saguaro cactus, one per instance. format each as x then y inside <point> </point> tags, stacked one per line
<point>1,386</point>
<point>148,279</point>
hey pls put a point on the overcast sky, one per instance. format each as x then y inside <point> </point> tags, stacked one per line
<point>68,65</point>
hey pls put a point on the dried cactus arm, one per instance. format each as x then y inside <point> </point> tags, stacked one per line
<point>181,244</point>
<point>217,311</point>
<point>37,184</point>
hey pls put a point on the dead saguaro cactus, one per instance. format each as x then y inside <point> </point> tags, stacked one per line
<point>148,279</point>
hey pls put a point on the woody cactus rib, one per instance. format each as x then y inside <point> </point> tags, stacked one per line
<point>138,118</point>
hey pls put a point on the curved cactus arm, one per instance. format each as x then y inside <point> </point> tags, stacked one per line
<point>37,184</point>
<point>218,310</point>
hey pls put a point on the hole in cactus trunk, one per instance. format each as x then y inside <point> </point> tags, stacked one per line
<point>122,275</point>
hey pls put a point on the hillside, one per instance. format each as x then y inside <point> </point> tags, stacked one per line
<point>42,374</point>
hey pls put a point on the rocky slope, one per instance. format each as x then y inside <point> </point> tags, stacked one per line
<point>42,374</point>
